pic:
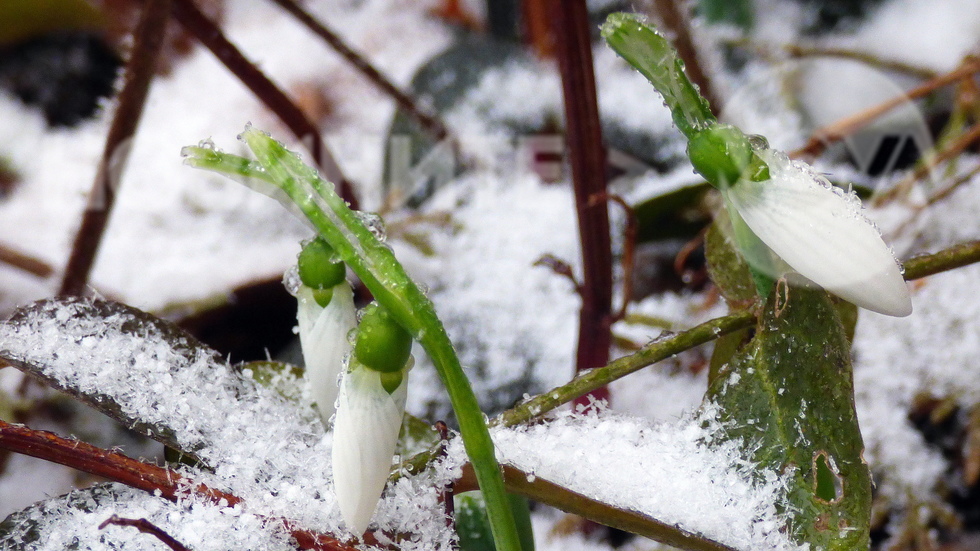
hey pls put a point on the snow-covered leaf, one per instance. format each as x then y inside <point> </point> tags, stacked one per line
<point>124,362</point>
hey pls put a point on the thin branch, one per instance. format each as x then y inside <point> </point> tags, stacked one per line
<point>146,527</point>
<point>559,267</point>
<point>915,268</point>
<point>208,33</point>
<point>839,130</point>
<point>25,262</point>
<point>798,50</point>
<point>628,260</point>
<point>948,190</point>
<point>588,160</point>
<point>152,479</point>
<point>555,495</point>
<point>950,151</point>
<point>597,378</point>
<point>678,26</point>
<point>431,124</point>
<point>954,257</point>
<point>140,68</point>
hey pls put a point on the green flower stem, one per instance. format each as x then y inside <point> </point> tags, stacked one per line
<point>384,276</point>
<point>720,153</point>
<point>650,354</point>
<point>650,53</point>
<point>954,257</point>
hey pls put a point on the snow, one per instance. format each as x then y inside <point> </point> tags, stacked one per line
<point>682,473</point>
<point>271,453</point>
<point>179,235</point>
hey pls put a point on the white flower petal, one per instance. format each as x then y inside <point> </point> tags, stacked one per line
<point>323,337</point>
<point>364,437</point>
<point>822,234</point>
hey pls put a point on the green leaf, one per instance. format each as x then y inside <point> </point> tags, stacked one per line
<point>473,524</point>
<point>788,396</point>
<point>726,267</point>
<point>678,213</point>
<point>734,12</point>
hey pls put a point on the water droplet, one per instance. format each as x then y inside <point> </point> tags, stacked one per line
<point>206,144</point>
<point>373,223</point>
<point>290,280</point>
<point>758,142</point>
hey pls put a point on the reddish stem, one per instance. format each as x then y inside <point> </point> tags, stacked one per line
<point>140,68</point>
<point>208,33</point>
<point>431,124</point>
<point>146,527</point>
<point>24,262</point>
<point>152,479</point>
<point>588,161</point>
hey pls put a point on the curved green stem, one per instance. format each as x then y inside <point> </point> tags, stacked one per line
<point>374,263</point>
<point>650,53</point>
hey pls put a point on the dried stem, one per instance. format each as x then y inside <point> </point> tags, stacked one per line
<point>588,161</point>
<point>950,151</point>
<point>678,26</point>
<point>146,527</point>
<point>24,262</point>
<point>798,50</point>
<point>152,479</point>
<point>839,130</point>
<point>208,33</point>
<point>629,247</point>
<point>140,68</point>
<point>431,124</point>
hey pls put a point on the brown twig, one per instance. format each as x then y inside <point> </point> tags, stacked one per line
<point>208,33</point>
<point>950,151</point>
<point>839,130</point>
<point>24,262</point>
<point>155,480</point>
<point>677,24</point>
<point>587,157</point>
<point>145,527</point>
<point>431,124</point>
<point>447,493</point>
<point>140,68</point>
<point>629,247</point>
<point>561,268</point>
<point>799,50</point>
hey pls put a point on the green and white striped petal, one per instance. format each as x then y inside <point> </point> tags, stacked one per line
<point>323,337</point>
<point>821,232</point>
<point>364,437</point>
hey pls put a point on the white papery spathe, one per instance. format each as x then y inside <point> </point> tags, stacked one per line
<point>820,232</point>
<point>365,433</point>
<point>323,336</point>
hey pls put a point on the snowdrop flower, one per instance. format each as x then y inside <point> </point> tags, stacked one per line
<point>326,315</point>
<point>323,337</point>
<point>369,415</point>
<point>820,232</point>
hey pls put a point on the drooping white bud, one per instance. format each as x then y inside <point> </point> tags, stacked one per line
<point>323,337</point>
<point>820,232</point>
<point>364,438</point>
